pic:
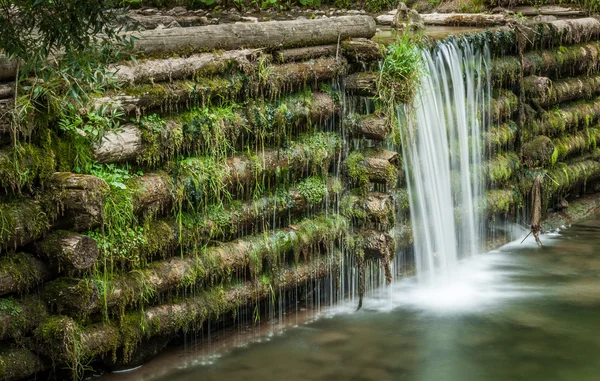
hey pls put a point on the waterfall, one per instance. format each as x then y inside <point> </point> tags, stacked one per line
<point>443,155</point>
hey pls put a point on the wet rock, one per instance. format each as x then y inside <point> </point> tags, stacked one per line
<point>214,21</point>
<point>249,19</point>
<point>353,12</point>
<point>407,19</point>
<point>203,20</point>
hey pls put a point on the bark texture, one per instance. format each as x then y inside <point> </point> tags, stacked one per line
<point>364,84</point>
<point>80,199</point>
<point>276,34</point>
<point>69,253</point>
<point>373,126</point>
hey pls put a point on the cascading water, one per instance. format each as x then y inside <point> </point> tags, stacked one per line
<point>443,155</point>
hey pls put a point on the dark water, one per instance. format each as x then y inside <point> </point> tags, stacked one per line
<point>518,313</point>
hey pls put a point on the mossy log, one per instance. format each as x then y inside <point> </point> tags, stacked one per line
<point>18,317</point>
<point>275,34</point>
<point>60,335</point>
<point>377,245</point>
<point>501,137</point>
<point>567,118</point>
<point>564,32</point>
<point>501,202</point>
<point>363,84</point>
<point>361,50</point>
<point>564,90</point>
<point>375,209</point>
<point>374,165</point>
<point>372,126</point>
<point>501,168</point>
<point>24,221</point>
<point>569,177</point>
<point>20,272</point>
<point>539,153</point>
<point>553,62</point>
<point>568,146</point>
<point>25,166</point>
<point>171,69</point>
<point>272,82</point>
<point>166,237</point>
<point>305,53</point>
<point>465,19</point>
<point>69,253</point>
<point>154,192</point>
<point>504,105</point>
<point>286,78</point>
<point>131,142</point>
<point>171,97</point>
<point>17,363</point>
<point>197,269</point>
<point>80,199</point>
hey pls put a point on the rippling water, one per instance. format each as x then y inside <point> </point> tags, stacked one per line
<point>518,313</point>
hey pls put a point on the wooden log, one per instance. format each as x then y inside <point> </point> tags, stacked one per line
<point>17,363</point>
<point>172,69</point>
<point>69,253</point>
<point>503,105</point>
<point>80,199</point>
<point>500,169</point>
<point>539,152</point>
<point>564,90</point>
<point>168,319</point>
<point>25,166</point>
<point>501,202</point>
<point>292,76</point>
<point>273,81</point>
<point>20,272</point>
<point>19,317</point>
<point>375,209</point>
<point>465,19</point>
<point>170,97</point>
<point>127,143</point>
<point>305,53</point>
<point>153,193</point>
<point>501,137</point>
<point>567,118</point>
<point>575,144</point>
<point>166,237</point>
<point>372,126</point>
<point>363,84</point>
<point>569,178</point>
<point>555,63</point>
<point>24,221</point>
<point>361,50</point>
<point>373,165</point>
<point>377,245</point>
<point>197,269</point>
<point>274,34</point>
<point>547,10</point>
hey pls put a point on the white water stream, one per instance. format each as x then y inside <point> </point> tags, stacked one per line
<point>443,154</point>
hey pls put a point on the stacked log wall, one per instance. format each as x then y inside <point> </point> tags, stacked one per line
<point>244,165</point>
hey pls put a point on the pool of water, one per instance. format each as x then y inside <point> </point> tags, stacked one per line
<point>517,313</point>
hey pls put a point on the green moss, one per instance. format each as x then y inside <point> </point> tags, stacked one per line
<point>502,167</point>
<point>313,189</point>
<point>25,166</point>
<point>379,5</point>
<point>501,201</point>
<point>357,173</point>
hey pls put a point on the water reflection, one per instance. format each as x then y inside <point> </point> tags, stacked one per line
<point>518,313</point>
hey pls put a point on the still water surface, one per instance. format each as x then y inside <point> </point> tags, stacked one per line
<point>518,313</point>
